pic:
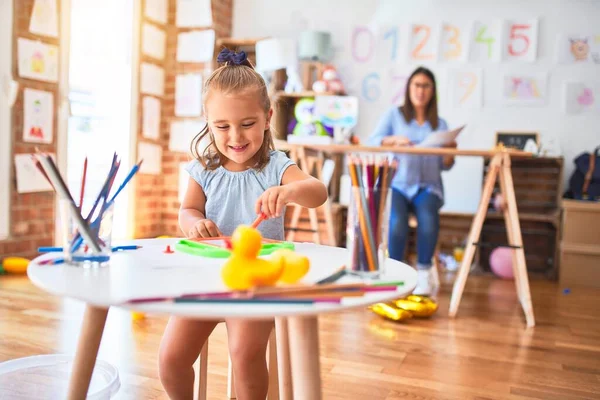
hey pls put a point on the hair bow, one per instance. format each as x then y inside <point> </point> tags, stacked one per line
<point>232,57</point>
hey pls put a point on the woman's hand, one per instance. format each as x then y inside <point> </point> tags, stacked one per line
<point>273,201</point>
<point>452,144</point>
<point>204,228</point>
<point>448,161</point>
<point>396,140</point>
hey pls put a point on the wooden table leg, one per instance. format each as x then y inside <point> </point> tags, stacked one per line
<point>283,359</point>
<point>521,278</point>
<point>476,225</point>
<point>90,336</point>
<point>304,356</point>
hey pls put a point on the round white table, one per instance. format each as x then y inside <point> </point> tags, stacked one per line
<point>150,272</point>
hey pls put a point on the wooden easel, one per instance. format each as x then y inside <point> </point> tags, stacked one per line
<point>499,167</point>
<point>308,164</point>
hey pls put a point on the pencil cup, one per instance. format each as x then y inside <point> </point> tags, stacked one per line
<point>77,246</point>
<point>367,231</point>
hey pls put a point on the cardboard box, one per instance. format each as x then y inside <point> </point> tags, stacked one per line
<point>580,265</point>
<point>581,222</point>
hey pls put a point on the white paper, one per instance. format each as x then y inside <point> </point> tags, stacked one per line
<point>455,42</point>
<point>578,49</point>
<point>153,41</point>
<point>196,46</point>
<point>193,13</point>
<point>276,53</point>
<point>439,139</point>
<point>152,78</point>
<point>182,134</point>
<point>37,60</point>
<point>44,18</point>
<point>38,113</point>
<point>29,178</point>
<point>188,95</point>
<point>152,155</point>
<point>156,10</point>
<point>582,97</point>
<point>424,42</point>
<point>486,39</point>
<point>520,40</point>
<point>10,89</point>
<point>525,89</point>
<point>184,178</point>
<point>466,88</point>
<point>150,117</point>
<point>336,111</point>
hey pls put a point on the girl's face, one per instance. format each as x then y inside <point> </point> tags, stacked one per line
<point>238,124</point>
<point>420,90</point>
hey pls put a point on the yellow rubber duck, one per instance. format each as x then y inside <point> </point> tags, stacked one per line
<point>244,270</point>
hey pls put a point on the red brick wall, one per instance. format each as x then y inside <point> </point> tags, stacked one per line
<point>32,214</point>
<point>148,187</point>
<point>169,203</point>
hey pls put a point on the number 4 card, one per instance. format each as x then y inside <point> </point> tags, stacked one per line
<point>520,40</point>
<point>486,38</point>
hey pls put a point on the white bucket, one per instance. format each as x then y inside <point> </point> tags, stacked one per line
<point>47,377</point>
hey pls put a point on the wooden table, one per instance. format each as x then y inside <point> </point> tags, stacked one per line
<point>500,168</point>
<point>149,272</point>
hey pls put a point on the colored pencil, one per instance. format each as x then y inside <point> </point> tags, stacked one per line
<point>258,220</point>
<point>63,191</point>
<point>83,179</point>
<point>371,180</point>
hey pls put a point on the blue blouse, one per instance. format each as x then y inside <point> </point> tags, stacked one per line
<point>414,171</point>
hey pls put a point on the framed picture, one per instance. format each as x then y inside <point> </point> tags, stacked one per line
<point>517,140</point>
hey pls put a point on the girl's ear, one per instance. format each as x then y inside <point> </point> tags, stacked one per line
<point>269,115</point>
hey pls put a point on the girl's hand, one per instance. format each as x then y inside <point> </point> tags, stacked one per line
<point>396,140</point>
<point>204,228</point>
<point>273,200</point>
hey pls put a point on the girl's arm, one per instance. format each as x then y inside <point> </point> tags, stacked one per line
<point>296,187</point>
<point>192,220</point>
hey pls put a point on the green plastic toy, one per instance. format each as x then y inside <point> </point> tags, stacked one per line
<point>211,251</point>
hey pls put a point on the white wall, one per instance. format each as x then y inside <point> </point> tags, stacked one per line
<point>6,11</point>
<point>569,134</point>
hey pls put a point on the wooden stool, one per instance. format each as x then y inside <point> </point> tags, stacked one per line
<point>275,370</point>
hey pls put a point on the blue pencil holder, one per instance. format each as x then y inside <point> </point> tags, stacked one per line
<point>77,248</point>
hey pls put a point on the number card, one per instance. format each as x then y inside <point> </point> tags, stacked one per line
<point>466,89</point>
<point>455,42</point>
<point>363,42</point>
<point>424,41</point>
<point>485,41</point>
<point>520,40</point>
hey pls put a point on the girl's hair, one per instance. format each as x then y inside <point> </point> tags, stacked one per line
<point>431,112</point>
<point>236,74</point>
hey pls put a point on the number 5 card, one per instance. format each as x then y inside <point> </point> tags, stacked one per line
<point>520,40</point>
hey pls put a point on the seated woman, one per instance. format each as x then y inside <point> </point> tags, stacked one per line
<point>417,185</point>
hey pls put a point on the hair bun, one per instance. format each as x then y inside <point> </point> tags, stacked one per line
<point>231,57</point>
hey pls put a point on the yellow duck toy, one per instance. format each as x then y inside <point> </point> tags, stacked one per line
<point>244,270</point>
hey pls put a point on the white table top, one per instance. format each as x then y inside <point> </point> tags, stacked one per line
<point>150,272</point>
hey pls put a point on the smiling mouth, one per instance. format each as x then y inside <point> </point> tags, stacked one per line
<point>238,148</point>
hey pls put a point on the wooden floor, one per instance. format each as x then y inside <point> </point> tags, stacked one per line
<point>486,353</point>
